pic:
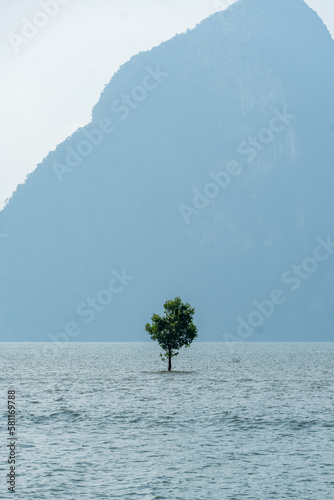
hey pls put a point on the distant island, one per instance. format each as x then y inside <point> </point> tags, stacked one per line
<point>206,172</point>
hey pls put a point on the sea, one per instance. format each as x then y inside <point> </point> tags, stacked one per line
<point>244,421</point>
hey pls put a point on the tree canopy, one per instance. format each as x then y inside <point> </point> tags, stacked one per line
<point>174,329</point>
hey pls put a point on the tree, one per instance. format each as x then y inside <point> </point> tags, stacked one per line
<point>174,330</point>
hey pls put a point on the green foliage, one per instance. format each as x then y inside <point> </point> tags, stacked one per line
<point>175,329</point>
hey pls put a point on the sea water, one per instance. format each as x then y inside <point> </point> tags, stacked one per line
<point>107,421</point>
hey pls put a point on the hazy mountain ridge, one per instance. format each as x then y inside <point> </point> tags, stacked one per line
<point>218,87</point>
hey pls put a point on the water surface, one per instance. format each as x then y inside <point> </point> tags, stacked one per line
<point>105,421</point>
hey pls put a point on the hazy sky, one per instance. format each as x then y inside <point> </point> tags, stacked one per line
<point>51,80</point>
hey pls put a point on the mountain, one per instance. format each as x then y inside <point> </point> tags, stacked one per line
<point>206,172</point>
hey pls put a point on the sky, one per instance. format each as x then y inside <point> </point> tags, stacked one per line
<point>57,55</point>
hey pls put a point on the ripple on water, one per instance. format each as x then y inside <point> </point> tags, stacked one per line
<point>110,423</point>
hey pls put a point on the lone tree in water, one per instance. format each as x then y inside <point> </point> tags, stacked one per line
<point>174,330</point>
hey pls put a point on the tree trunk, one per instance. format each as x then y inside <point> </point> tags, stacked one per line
<point>169,361</point>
